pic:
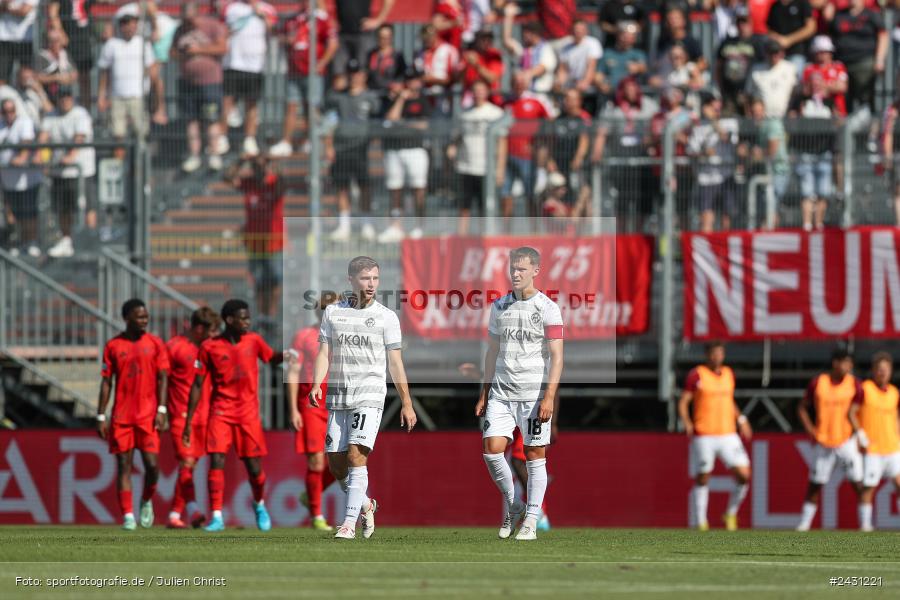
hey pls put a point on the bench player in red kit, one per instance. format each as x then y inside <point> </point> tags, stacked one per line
<point>310,423</point>
<point>183,353</point>
<point>138,363</point>
<point>230,360</point>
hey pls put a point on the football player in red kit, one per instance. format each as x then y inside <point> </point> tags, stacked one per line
<point>138,363</point>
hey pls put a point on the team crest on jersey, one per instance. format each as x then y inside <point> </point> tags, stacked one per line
<point>370,322</point>
<point>487,425</point>
<point>535,318</point>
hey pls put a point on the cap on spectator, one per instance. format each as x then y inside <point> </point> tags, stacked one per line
<point>822,43</point>
<point>556,180</point>
<point>773,47</point>
<point>129,11</point>
<point>353,66</point>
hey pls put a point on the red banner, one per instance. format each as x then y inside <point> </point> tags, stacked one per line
<point>597,480</point>
<point>601,283</point>
<point>792,284</point>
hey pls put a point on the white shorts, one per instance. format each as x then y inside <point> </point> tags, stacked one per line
<point>502,417</point>
<point>880,466</point>
<point>357,426</point>
<point>406,168</point>
<point>847,456</point>
<point>706,448</point>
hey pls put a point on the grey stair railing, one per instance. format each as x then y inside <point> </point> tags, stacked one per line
<point>51,332</point>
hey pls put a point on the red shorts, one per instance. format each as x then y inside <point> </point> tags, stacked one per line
<point>247,437</point>
<point>123,437</point>
<point>518,446</point>
<point>198,438</point>
<point>311,438</point>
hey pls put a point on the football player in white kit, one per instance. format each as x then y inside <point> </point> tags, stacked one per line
<point>359,340</point>
<point>522,367</point>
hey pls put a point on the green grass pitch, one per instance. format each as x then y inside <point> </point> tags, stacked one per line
<point>447,563</point>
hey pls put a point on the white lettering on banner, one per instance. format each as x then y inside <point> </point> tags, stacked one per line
<point>708,277</point>
<point>884,514</point>
<point>766,281</point>
<point>884,267</point>
<point>761,492</point>
<point>825,320</point>
<point>85,490</point>
<point>31,501</point>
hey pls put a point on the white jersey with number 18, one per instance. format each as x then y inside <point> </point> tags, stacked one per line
<point>523,329</point>
<point>359,340</point>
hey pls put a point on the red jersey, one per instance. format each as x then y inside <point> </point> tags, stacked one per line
<point>264,209</point>
<point>528,112</point>
<point>491,60</point>
<point>184,369</point>
<point>234,371</point>
<point>297,31</point>
<point>557,17</point>
<point>836,71</point>
<point>135,365</point>
<point>759,14</point>
<point>306,343</point>
<point>452,11</point>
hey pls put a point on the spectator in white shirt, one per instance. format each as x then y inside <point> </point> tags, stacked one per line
<point>437,61</point>
<point>17,19</point>
<point>125,63</point>
<point>578,65</point>
<point>19,178</point>
<point>774,85</point>
<point>54,69</point>
<point>70,123</point>
<point>534,56</point>
<point>248,25</point>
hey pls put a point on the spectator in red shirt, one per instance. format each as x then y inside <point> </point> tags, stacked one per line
<point>183,351</point>
<point>437,61</point>
<point>528,110</point>
<point>482,62</point>
<point>449,21</point>
<point>296,38</point>
<point>832,73</point>
<point>557,18</point>
<point>139,363</point>
<point>263,234</point>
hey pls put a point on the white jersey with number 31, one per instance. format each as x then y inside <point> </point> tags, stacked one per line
<point>523,329</point>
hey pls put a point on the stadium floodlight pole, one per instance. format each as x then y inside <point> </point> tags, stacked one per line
<point>674,125</point>
<point>315,153</point>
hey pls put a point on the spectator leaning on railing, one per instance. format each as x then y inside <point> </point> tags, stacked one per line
<point>713,144</point>
<point>770,150</point>
<point>199,44</point>
<point>563,147</point>
<point>69,123</point>
<point>17,18</point>
<point>19,178</point>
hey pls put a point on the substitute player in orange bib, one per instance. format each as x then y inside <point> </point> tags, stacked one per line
<point>183,356</point>
<point>310,423</point>
<point>713,430</point>
<point>831,394</point>
<point>138,362</point>
<point>875,421</point>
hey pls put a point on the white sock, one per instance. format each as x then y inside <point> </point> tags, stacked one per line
<point>128,514</point>
<point>174,515</point>
<point>865,516</point>
<point>808,514</point>
<point>537,487</point>
<point>217,514</point>
<point>345,485</point>
<point>502,476</point>
<point>260,503</point>
<point>192,508</point>
<point>700,494</point>
<point>344,220</point>
<point>358,483</point>
<point>737,497</point>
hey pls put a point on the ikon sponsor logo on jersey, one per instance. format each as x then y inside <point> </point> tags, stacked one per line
<point>520,335</point>
<point>360,341</point>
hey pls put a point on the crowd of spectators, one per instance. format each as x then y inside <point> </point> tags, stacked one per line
<point>584,86</point>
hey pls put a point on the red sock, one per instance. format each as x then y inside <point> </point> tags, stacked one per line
<point>258,485</point>
<point>149,490</point>
<point>216,488</point>
<point>314,491</point>
<point>327,478</point>
<point>183,487</point>
<point>126,504</point>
